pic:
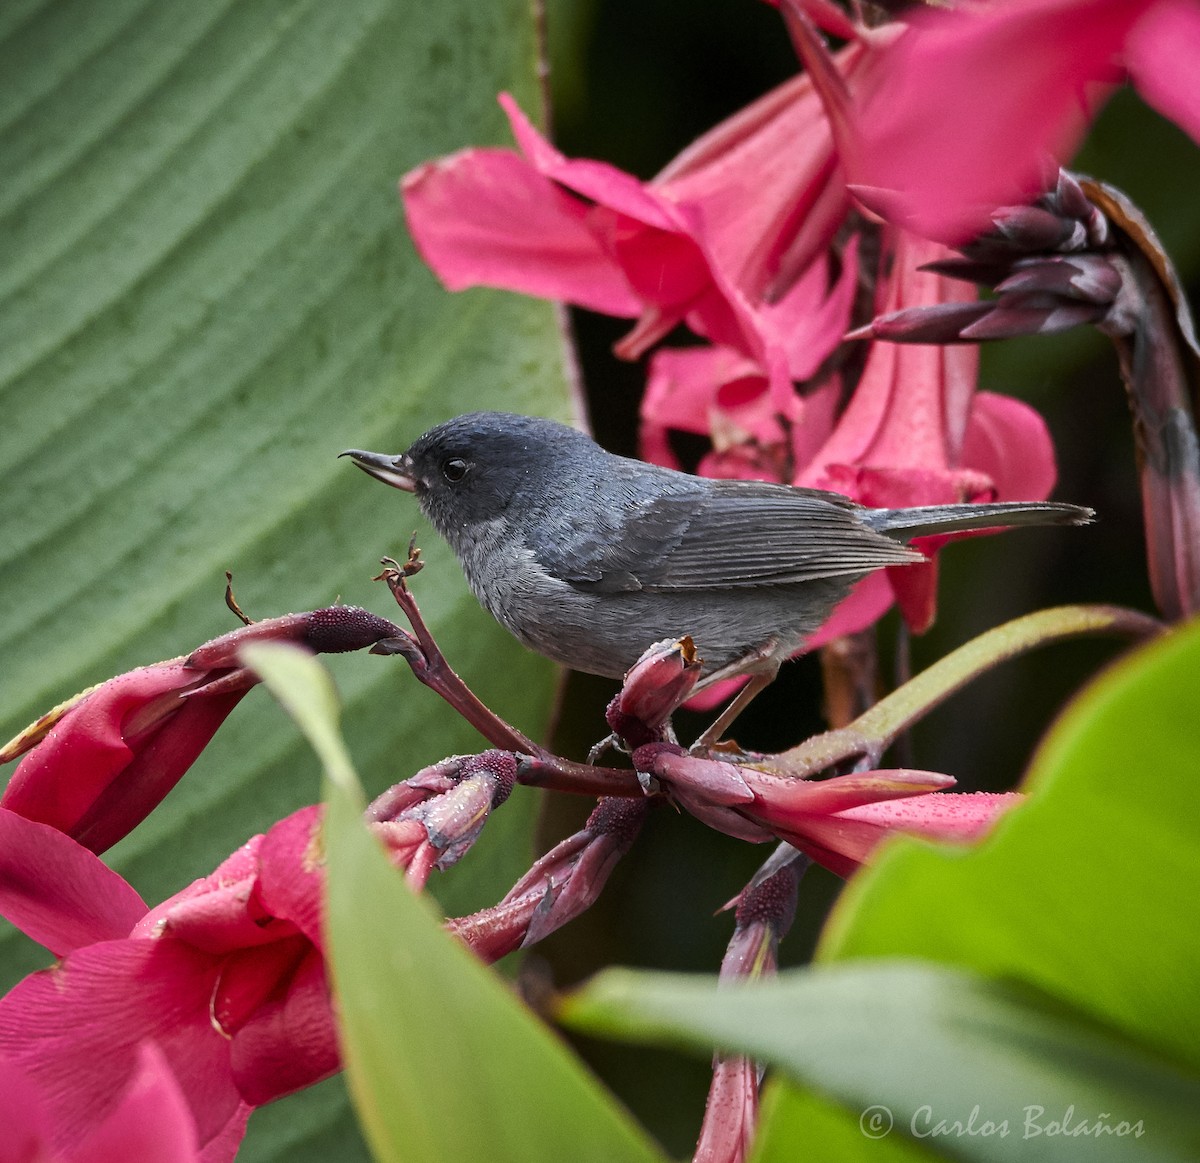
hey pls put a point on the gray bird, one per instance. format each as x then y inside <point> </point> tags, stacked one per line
<point>589,558</point>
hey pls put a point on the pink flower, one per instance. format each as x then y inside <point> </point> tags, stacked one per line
<point>731,238</point>
<point>226,978</point>
<point>728,398</point>
<point>964,109</point>
<point>100,763</point>
<point>150,1124</point>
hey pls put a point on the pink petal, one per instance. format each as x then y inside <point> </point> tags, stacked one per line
<point>966,106</point>
<point>1161,53</point>
<point>76,1030</point>
<point>57,892</point>
<point>909,410</point>
<point>808,323</point>
<point>487,217</point>
<point>27,1126</point>
<point>870,599</point>
<point>291,877</point>
<point>945,816</point>
<point>840,843</point>
<point>152,1124</point>
<point>767,185</point>
<point>158,765</point>
<point>223,1146</point>
<point>112,757</point>
<point>1009,443</point>
<point>60,778</point>
<point>214,913</point>
<point>599,182</point>
<point>290,1041</point>
<point>699,389</point>
<point>730,1113</point>
<point>249,978</point>
<point>915,587</point>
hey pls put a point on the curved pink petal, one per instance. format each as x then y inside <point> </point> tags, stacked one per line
<point>777,798</point>
<point>942,816</point>
<point>1161,53</point>
<point>291,877</point>
<point>223,1146</point>
<point>59,779</point>
<point>249,978</point>
<point>486,216</point>
<point>59,893</point>
<point>159,762</point>
<point>808,323</point>
<point>965,108</point>
<point>730,1113</point>
<point>909,411</point>
<point>118,751</point>
<point>290,1041</point>
<point>846,839</point>
<point>152,1123</point>
<point>213,913</point>
<point>1008,442</point>
<point>597,181</point>
<point>76,1030</point>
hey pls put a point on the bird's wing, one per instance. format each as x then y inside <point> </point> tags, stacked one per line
<point>717,535</point>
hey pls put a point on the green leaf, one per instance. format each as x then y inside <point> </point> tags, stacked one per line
<point>444,1062</point>
<point>1085,891</point>
<point>207,293</point>
<point>925,1046</point>
<point>795,1124</point>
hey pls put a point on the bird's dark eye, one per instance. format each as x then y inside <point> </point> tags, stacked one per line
<point>454,468</point>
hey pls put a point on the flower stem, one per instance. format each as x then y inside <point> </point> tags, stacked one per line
<point>872,732</point>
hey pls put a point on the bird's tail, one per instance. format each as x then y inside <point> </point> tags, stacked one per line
<point>903,524</point>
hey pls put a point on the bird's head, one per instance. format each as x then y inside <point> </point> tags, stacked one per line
<point>467,471</point>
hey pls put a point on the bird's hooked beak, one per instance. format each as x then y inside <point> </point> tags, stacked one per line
<point>396,471</point>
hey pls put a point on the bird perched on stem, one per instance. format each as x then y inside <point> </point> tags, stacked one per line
<point>589,558</point>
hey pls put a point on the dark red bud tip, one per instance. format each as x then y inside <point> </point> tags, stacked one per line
<point>333,630</point>
<point>773,902</point>
<point>619,817</point>
<point>500,765</point>
<point>339,629</point>
<point>645,758</point>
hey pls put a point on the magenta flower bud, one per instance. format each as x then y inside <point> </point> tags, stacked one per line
<point>432,820</point>
<point>106,759</point>
<point>100,763</point>
<point>559,886</point>
<point>764,915</point>
<point>654,687</point>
